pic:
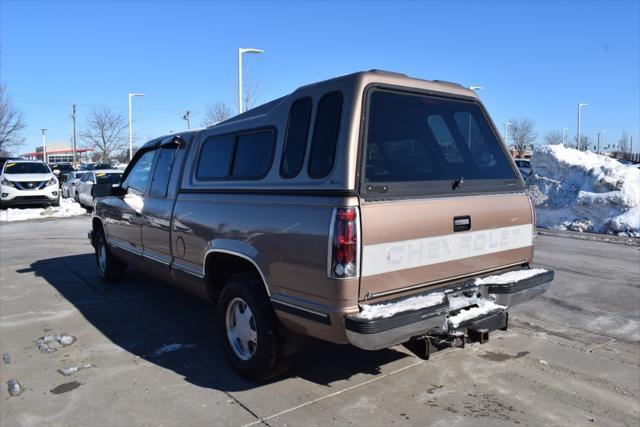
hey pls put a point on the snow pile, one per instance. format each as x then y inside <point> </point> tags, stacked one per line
<point>67,207</point>
<point>73,369</point>
<point>484,307</point>
<point>410,304</point>
<point>167,348</point>
<point>584,191</point>
<point>51,343</point>
<point>510,277</point>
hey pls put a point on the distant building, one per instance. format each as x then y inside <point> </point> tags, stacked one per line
<point>58,152</point>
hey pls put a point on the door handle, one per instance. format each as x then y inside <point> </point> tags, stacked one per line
<point>461,223</point>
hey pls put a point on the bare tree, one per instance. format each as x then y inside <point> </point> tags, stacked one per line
<point>249,93</point>
<point>12,122</point>
<point>553,137</point>
<point>523,133</point>
<point>216,113</point>
<point>584,142</point>
<point>623,142</point>
<point>105,131</point>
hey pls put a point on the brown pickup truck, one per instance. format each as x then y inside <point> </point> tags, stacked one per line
<point>371,209</point>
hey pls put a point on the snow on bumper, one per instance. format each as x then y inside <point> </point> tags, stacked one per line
<point>457,308</point>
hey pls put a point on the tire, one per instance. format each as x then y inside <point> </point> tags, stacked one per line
<point>109,268</point>
<point>252,342</point>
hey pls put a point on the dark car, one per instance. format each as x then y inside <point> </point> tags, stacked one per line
<point>96,166</point>
<point>64,170</point>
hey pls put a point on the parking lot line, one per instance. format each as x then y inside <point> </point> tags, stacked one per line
<point>344,390</point>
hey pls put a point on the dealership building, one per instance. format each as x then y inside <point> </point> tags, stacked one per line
<point>58,152</point>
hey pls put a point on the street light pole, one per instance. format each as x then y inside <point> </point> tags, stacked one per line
<point>131,95</point>
<point>563,129</point>
<point>580,105</point>
<point>240,52</point>
<point>44,146</point>
<point>73,116</point>
<point>187,117</point>
<point>506,132</point>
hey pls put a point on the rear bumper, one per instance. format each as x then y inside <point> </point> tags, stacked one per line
<point>463,307</point>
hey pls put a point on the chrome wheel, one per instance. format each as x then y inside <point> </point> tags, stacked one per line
<point>241,329</point>
<point>102,256</point>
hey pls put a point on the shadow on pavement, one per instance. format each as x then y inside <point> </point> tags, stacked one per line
<point>142,314</point>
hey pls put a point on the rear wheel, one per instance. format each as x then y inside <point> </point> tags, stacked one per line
<point>110,269</point>
<point>249,329</point>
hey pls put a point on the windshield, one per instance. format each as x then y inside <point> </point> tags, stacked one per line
<point>62,167</point>
<point>25,167</point>
<point>77,175</point>
<point>108,178</point>
<point>432,142</point>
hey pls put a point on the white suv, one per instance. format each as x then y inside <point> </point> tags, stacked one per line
<point>28,182</point>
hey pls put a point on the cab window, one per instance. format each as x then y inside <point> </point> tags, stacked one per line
<point>162,171</point>
<point>139,175</point>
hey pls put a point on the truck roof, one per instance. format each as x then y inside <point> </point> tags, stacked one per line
<point>355,79</point>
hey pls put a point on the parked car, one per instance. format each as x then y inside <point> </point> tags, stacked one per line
<point>524,166</point>
<point>28,182</point>
<point>68,188</point>
<point>93,183</point>
<point>63,170</point>
<point>95,166</point>
<point>370,209</point>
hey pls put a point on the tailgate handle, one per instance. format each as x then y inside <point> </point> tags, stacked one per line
<point>462,223</point>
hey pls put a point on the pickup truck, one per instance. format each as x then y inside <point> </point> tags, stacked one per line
<point>371,209</point>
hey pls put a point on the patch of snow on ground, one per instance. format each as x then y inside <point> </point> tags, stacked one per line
<point>167,348</point>
<point>68,207</point>
<point>73,369</point>
<point>51,343</point>
<point>410,304</point>
<point>583,191</point>
<point>484,307</point>
<point>510,277</point>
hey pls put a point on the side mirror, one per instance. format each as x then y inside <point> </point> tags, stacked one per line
<point>107,189</point>
<point>118,191</point>
<point>56,172</point>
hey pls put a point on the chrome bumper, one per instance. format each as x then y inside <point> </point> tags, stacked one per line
<point>460,302</point>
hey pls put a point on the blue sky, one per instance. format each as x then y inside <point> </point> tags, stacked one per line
<point>535,60</point>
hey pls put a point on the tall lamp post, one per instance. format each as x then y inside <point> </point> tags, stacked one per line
<point>580,105</point>
<point>131,95</point>
<point>44,146</point>
<point>563,129</point>
<point>506,132</point>
<point>240,52</point>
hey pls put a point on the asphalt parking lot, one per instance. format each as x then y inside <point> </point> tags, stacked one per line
<point>571,357</point>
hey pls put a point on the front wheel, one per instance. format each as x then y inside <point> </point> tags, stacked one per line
<point>110,269</point>
<point>249,329</point>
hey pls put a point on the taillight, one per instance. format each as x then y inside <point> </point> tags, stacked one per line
<point>343,246</point>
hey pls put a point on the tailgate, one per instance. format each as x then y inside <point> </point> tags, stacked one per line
<point>413,244</point>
